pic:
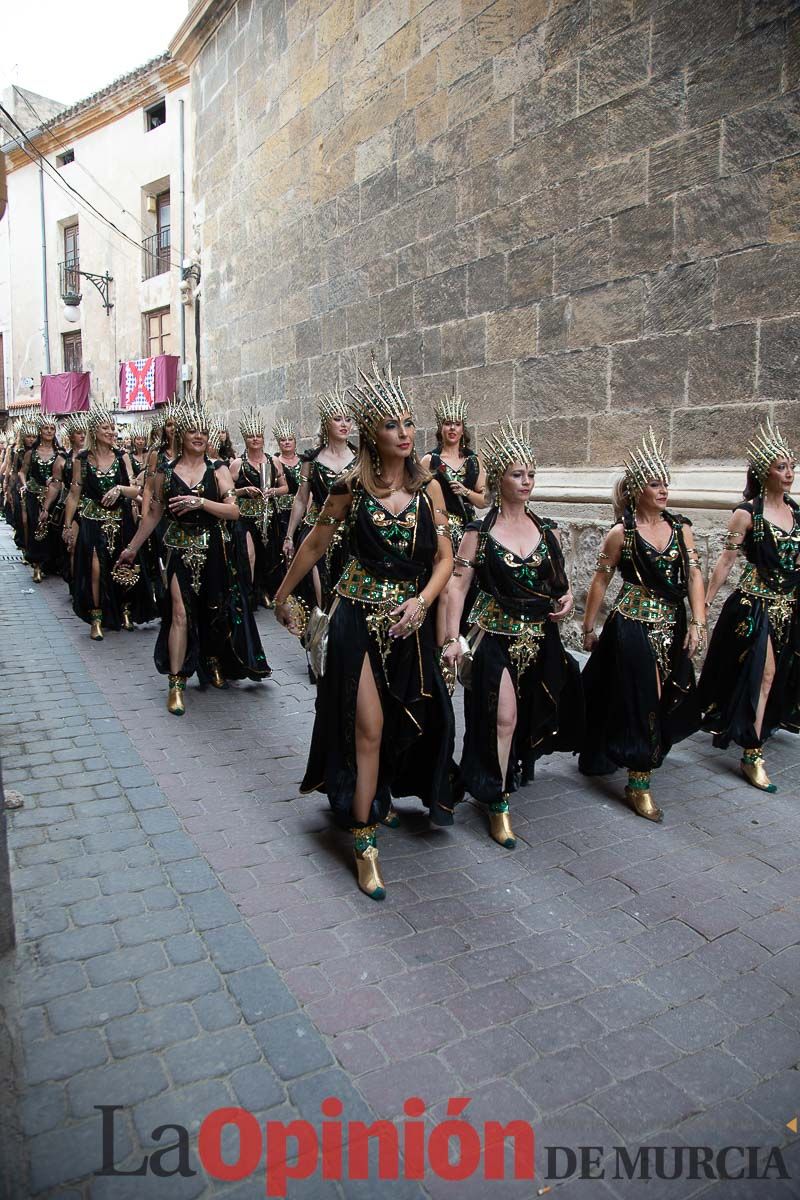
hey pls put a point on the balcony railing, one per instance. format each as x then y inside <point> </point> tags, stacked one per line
<point>69,277</point>
<point>156,253</point>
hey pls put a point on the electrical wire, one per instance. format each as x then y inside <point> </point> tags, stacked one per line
<point>79,164</point>
<point>40,159</point>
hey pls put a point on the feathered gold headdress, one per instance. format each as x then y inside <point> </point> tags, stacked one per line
<point>380,399</point>
<point>505,447</point>
<point>251,423</point>
<point>450,408</point>
<point>645,464</point>
<point>767,444</point>
<point>140,429</point>
<point>332,404</point>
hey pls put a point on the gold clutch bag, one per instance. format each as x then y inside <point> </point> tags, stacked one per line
<point>126,576</point>
<point>317,641</point>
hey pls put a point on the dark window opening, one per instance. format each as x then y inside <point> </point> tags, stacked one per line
<point>67,157</point>
<point>155,115</point>
<point>73,351</point>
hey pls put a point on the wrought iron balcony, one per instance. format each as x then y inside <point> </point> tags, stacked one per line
<point>69,274</point>
<point>156,253</point>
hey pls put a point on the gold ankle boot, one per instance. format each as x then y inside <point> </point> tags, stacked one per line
<point>392,819</point>
<point>217,678</point>
<point>755,772</point>
<point>127,623</point>
<point>96,628</point>
<point>500,825</point>
<point>368,868</point>
<point>638,797</point>
<point>175,705</point>
<point>37,574</point>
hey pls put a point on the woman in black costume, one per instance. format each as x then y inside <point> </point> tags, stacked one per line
<point>287,463</point>
<point>42,546</point>
<point>523,699</point>
<point>750,685</point>
<point>463,480</point>
<point>27,433</point>
<point>102,488</point>
<point>206,622</point>
<point>320,468</point>
<point>73,434</point>
<point>257,482</point>
<point>639,683</point>
<point>384,722</point>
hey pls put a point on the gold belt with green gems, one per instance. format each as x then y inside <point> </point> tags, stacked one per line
<point>493,618</point>
<point>526,633</point>
<point>639,604</point>
<point>779,605</point>
<point>98,512</point>
<point>311,516</point>
<point>34,487</point>
<point>355,583</point>
<point>282,503</point>
<point>251,506</point>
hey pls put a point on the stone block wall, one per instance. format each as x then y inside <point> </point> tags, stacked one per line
<point>583,214</point>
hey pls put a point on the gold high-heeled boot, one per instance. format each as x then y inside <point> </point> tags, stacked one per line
<point>500,824</point>
<point>127,623</point>
<point>37,573</point>
<point>368,868</point>
<point>392,819</point>
<point>215,671</point>
<point>96,627</point>
<point>177,686</point>
<point>754,770</point>
<point>638,797</point>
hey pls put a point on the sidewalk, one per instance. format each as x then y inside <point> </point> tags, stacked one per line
<point>190,935</point>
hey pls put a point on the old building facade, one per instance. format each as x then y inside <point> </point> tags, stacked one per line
<point>115,155</point>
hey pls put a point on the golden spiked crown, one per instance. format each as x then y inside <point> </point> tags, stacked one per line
<point>331,405</point>
<point>251,423</point>
<point>767,445</point>
<point>450,408</point>
<point>505,447</point>
<point>190,414</point>
<point>645,464</point>
<point>100,415</point>
<point>76,423</point>
<point>283,429</point>
<point>380,399</point>
<point>140,429</point>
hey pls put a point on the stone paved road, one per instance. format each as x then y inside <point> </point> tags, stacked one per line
<point>190,936</point>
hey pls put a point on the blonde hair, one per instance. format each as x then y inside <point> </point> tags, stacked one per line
<point>620,499</point>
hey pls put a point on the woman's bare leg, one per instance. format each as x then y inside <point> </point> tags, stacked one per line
<point>369,730</point>
<point>178,632</point>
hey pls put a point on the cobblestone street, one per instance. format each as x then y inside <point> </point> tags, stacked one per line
<point>191,936</point>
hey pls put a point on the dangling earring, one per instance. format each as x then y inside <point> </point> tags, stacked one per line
<point>377,465</point>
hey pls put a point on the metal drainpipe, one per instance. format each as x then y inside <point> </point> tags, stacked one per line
<point>182,238</point>
<point>46,325</point>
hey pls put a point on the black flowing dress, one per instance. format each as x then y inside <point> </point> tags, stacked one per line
<point>459,512</point>
<point>105,532</point>
<point>18,511</point>
<point>44,552</point>
<point>763,608</point>
<point>220,622</point>
<point>510,631</point>
<point>392,557</point>
<point>253,519</point>
<point>329,568</point>
<point>628,724</point>
<point>279,514</point>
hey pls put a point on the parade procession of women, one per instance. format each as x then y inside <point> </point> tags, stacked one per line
<point>403,574</point>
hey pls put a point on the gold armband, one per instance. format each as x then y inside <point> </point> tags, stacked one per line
<point>603,566</point>
<point>462,562</point>
<point>231,493</point>
<point>693,559</point>
<point>730,544</point>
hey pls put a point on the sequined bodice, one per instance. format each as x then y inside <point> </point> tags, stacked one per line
<point>41,469</point>
<point>787,543</point>
<point>667,561</point>
<point>292,476</point>
<point>96,483</point>
<point>397,530</point>
<point>193,518</point>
